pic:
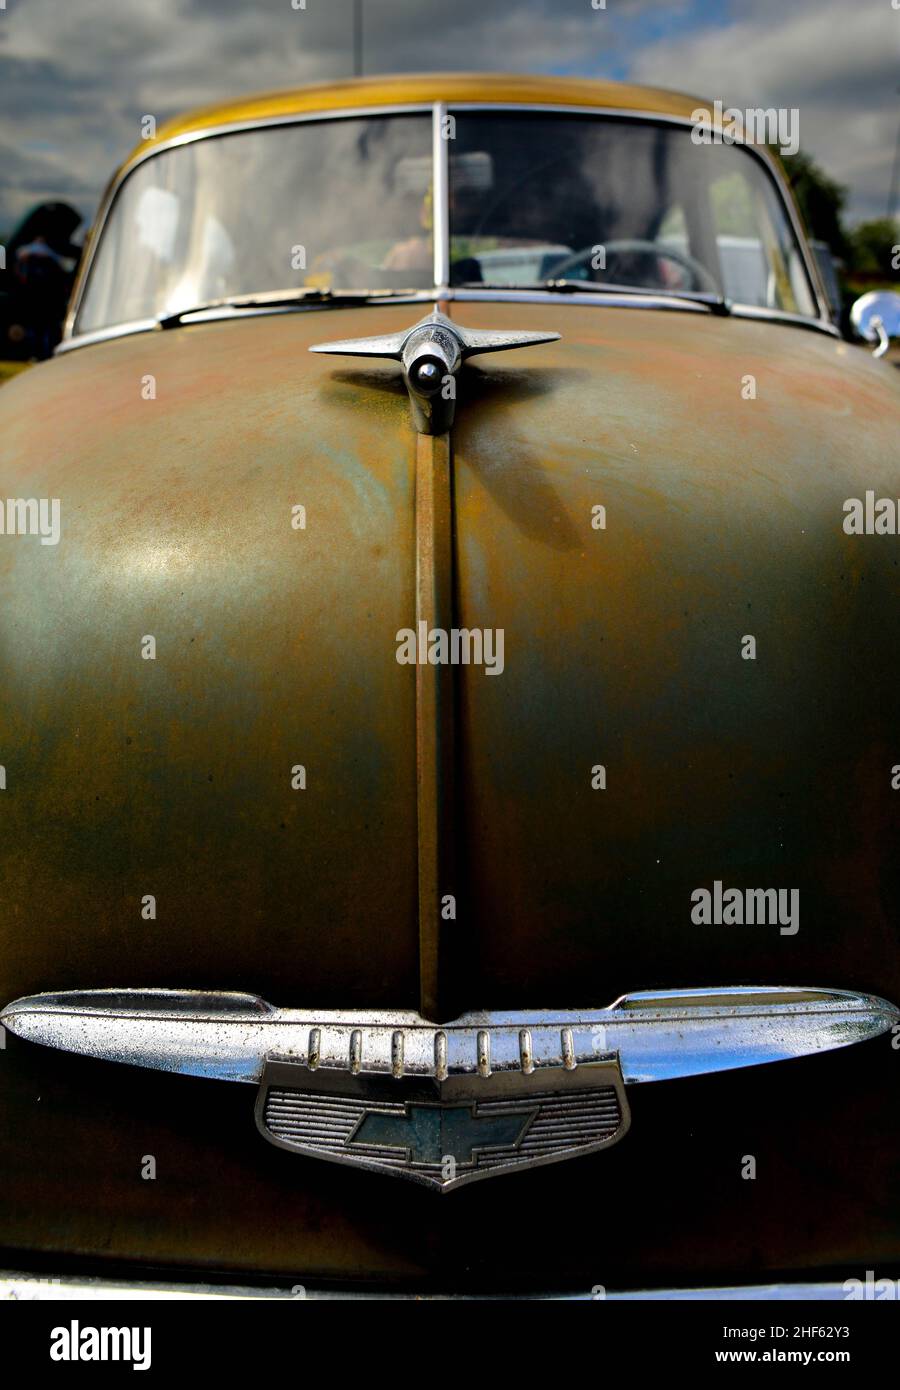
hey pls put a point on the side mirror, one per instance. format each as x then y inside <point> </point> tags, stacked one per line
<point>876,318</point>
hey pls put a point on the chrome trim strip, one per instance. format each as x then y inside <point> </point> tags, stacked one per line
<point>607,301</point>
<point>737,1293</point>
<point>48,1288</point>
<point>441,159</point>
<point>753,311</point>
<point>646,301</point>
<point>441,199</point>
<point>103,335</point>
<point>338,113</point>
<point>225,312</point>
<point>535,296</point>
<point>656,1036</point>
<point>832,1292</point>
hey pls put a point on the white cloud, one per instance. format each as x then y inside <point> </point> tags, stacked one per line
<point>834,60</point>
<point>76,78</point>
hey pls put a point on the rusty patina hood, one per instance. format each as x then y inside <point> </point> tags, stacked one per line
<point>179,458</point>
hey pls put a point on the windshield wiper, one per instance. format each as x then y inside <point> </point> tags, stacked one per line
<point>716,303</point>
<point>278,299</point>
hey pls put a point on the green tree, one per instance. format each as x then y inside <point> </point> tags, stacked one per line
<point>821,200</point>
<point>875,247</point>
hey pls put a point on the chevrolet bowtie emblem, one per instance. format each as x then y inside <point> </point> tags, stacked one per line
<point>443,1133</point>
<point>430,1134</point>
<point>431,353</point>
<point>451,1103</point>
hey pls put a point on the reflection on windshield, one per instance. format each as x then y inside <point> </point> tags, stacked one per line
<point>618,202</point>
<point>340,204</point>
<point>347,204</point>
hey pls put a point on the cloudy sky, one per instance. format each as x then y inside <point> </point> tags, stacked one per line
<point>76,76</point>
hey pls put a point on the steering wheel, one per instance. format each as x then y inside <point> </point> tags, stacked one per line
<point>703,280</point>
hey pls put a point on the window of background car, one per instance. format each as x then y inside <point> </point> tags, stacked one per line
<point>619,202</point>
<point>261,211</point>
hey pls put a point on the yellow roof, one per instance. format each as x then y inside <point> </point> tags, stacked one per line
<point>428,87</point>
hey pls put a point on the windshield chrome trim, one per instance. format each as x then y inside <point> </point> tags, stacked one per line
<point>225,313</point>
<point>643,301</point>
<point>436,296</point>
<point>753,311</point>
<point>539,295</point>
<point>103,335</point>
<point>441,162</point>
<point>441,198</point>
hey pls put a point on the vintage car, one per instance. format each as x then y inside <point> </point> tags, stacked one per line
<point>407,757</point>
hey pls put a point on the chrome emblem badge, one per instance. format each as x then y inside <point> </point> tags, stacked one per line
<point>448,1104</point>
<point>443,1134</point>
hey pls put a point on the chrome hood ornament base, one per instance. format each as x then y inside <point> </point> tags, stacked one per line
<point>448,1104</point>
<point>431,353</point>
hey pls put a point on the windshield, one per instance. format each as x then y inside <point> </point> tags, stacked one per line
<point>331,204</point>
<point>347,204</point>
<point>538,197</point>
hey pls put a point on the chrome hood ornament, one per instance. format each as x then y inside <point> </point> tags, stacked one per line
<point>431,353</point>
<point>448,1105</point>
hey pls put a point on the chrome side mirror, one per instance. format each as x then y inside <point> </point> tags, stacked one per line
<point>876,318</point>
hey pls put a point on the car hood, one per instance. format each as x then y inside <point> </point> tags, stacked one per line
<point>721,453</point>
<point>179,460</point>
<point>239,811</point>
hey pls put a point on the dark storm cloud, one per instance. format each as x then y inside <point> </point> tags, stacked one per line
<point>76,77</point>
